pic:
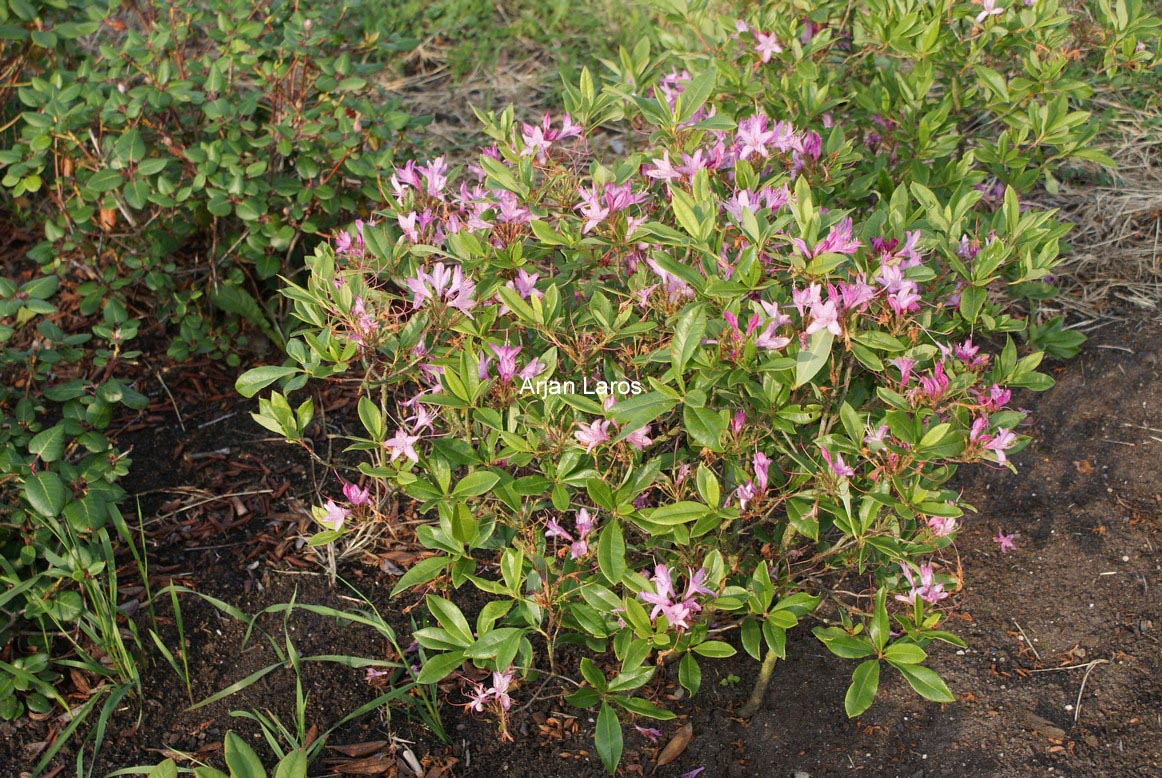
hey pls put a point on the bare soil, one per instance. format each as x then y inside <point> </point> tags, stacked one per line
<point>1061,675</point>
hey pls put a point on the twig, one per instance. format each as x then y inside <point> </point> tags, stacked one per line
<point>215,421</point>
<point>171,399</point>
<point>1081,691</point>
<point>216,498</point>
<point>1028,642</point>
<point>1058,669</point>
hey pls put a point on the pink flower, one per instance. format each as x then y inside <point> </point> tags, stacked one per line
<point>806,298</point>
<point>762,464</point>
<point>1001,442</point>
<point>498,692</point>
<point>402,444</point>
<point>335,515</point>
<point>905,366</point>
<point>584,523</point>
<point>500,684</point>
<point>988,8</point>
<point>355,495</point>
<point>663,591</point>
<point>593,435</point>
<point>662,169</point>
<point>824,316</point>
<point>738,420</point>
<point>928,590</point>
<point>530,371</point>
<point>767,45</point>
<point>371,674</point>
<point>649,733</point>
<point>837,465</point>
<point>422,419</point>
<point>745,494</point>
<point>506,361</point>
<point>770,340</point>
<point>1005,541</point>
<point>479,697</point>
<point>932,387</point>
<point>942,525</point>
<point>408,225</point>
<point>998,398</point>
<point>639,438</point>
<point>442,283</point>
<point>677,612</point>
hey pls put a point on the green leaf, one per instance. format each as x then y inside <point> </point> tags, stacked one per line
<point>843,645</point>
<point>256,379</point>
<point>489,645</point>
<point>48,444</point>
<point>704,426</point>
<point>865,681</point>
<point>698,90</point>
<point>608,738</point>
<point>241,759</point>
<point>880,626</point>
<point>677,513</point>
<point>644,708</point>
<point>708,486</point>
<point>811,360</point>
<point>905,653</point>
<point>584,697</point>
<point>436,668</point>
<point>687,336</point>
<point>634,412</point>
<point>926,682</point>
<point>88,513</point>
<point>475,484</point>
<point>167,769</point>
<point>611,551</point>
<point>690,674</point>
<point>715,649</point>
<point>421,572</point>
<point>45,492</point>
<point>450,618</point>
<point>293,765</point>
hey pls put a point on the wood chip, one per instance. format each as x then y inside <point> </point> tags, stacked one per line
<point>1040,726</point>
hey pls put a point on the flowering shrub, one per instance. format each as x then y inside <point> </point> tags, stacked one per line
<point>663,407</point>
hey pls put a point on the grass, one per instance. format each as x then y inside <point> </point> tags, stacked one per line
<point>470,36</point>
<point>285,736</point>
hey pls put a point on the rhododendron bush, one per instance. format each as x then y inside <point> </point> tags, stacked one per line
<point>667,406</point>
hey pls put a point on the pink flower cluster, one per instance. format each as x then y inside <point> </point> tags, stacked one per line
<point>506,368</point>
<point>445,284</point>
<point>584,525</point>
<point>678,611</point>
<point>492,696</point>
<point>928,590</point>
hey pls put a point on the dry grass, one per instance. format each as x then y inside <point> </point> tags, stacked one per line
<point>433,92</point>
<point>1114,271</point>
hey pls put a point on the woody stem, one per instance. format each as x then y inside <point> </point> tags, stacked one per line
<point>760,686</point>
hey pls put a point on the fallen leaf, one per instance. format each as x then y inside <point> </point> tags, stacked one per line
<point>107,219</point>
<point>360,749</point>
<point>677,745</point>
<point>1083,466</point>
<point>376,765</point>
